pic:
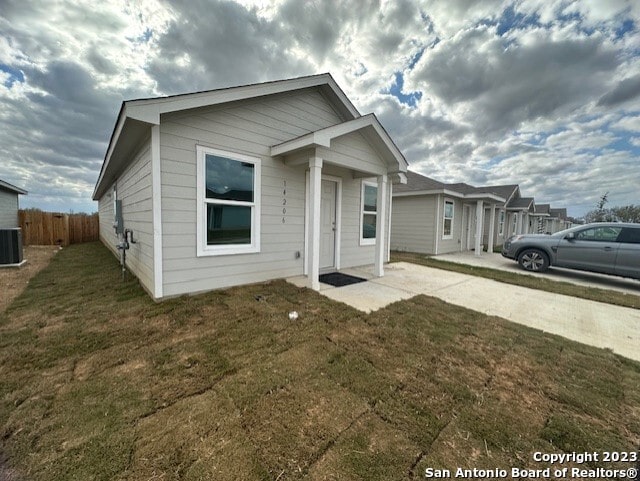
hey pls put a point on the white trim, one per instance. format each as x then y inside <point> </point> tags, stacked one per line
<point>479,228</point>
<point>202,249</point>
<point>438,201</point>
<point>390,194</point>
<point>502,213</point>
<point>305,267</point>
<point>156,189</point>
<point>381,220</point>
<point>363,241</point>
<point>338,231</point>
<point>453,216</point>
<point>313,239</point>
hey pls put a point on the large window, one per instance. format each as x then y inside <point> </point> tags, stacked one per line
<point>228,202</point>
<point>368,213</point>
<point>447,222</point>
<point>501,223</point>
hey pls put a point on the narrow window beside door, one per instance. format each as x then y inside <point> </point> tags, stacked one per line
<point>369,213</point>
<point>447,223</point>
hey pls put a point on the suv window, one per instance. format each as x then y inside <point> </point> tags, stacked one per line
<point>630,235</point>
<point>599,234</point>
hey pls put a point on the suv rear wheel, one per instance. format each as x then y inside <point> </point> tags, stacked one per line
<point>533,260</point>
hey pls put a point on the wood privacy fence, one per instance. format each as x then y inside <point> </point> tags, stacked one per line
<point>51,228</point>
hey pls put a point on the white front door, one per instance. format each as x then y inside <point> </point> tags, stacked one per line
<point>328,224</point>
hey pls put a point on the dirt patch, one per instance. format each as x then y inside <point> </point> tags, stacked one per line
<point>15,279</point>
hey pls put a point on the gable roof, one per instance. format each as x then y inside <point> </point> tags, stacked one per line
<point>507,191</point>
<point>520,203</point>
<point>418,184</point>
<point>136,116</point>
<point>559,213</point>
<point>366,124</point>
<point>11,188</point>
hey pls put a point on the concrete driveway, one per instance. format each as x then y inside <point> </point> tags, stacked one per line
<point>590,279</point>
<point>589,322</point>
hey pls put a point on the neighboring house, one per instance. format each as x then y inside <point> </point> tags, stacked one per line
<point>9,205</point>
<point>541,220</point>
<point>560,220</point>
<point>433,217</point>
<point>248,184</point>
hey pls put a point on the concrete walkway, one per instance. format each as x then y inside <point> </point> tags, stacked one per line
<point>589,322</point>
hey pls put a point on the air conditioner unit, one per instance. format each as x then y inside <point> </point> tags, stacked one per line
<point>10,246</point>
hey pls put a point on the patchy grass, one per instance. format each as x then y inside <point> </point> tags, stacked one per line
<point>591,293</point>
<point>100,383</point>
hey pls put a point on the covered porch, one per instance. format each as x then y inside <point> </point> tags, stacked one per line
<point>357,154</point>
<point>477,208</point>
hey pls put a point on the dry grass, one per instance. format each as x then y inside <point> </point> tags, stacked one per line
<point>15,279</point>
<point>100,383</point>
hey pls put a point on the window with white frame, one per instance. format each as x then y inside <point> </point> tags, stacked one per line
<point>501,223</point>
<point>228,195</point>
<point>368,213</point>
<point>447,219</point>
<point>515,223</point>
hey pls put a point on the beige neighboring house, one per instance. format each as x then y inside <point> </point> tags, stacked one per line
<point>433,217</point>
<point>247,184</point>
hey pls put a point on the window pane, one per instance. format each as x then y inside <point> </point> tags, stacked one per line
<point>448,209</point>
<point>370,198</point>
<point>369,226</point>
<point>630,235</point>
<point>599,234</point>
<point>447,227</point>
<point>228,179</point>
<point>228,224</point>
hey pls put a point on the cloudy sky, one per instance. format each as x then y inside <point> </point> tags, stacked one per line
<point>543,93</point>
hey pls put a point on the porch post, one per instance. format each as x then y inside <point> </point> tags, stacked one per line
<point>381,222</point>
<point>479,227</point>
<point>492,227</point>
<point>313,251</point>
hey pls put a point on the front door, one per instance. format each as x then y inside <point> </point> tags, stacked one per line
<point>328,224</point>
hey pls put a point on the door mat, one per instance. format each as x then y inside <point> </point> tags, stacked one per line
<point>337,279</point>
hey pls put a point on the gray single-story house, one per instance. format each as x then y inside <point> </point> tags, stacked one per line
<point>9,205</point>
<point>247,184</point>
<point>433,217</point>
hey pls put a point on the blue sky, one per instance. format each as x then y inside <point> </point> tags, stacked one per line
<point>545,94</point>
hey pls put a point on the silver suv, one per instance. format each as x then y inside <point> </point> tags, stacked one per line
<point>609,248</point>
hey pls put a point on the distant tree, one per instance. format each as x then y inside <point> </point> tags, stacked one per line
<point>600,214</point>
<point>627,213</point>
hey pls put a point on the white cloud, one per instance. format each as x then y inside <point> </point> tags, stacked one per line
<point>528,91</point>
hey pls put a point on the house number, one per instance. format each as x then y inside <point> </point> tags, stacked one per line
<point>284,200</point>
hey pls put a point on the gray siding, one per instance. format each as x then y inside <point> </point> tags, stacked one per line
<point>249,127</point>
<point>134,190</point>
<point>8,209</point>
<point>412,224</point>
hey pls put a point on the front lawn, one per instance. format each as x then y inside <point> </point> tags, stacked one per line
<point>100,383</point>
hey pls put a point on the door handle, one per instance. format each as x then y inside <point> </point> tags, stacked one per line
<point>607,248</point>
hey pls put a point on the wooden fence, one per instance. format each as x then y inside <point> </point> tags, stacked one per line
<point>51,228</point>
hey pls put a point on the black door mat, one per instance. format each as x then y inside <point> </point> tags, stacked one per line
<point>337,279</point>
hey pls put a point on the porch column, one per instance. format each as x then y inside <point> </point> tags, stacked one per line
<point>492,227</point>
<point>313,250</point>
<point>381,222</point>
<point>479,227</point>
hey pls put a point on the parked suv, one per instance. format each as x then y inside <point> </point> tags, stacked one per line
<point>609,248</point>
